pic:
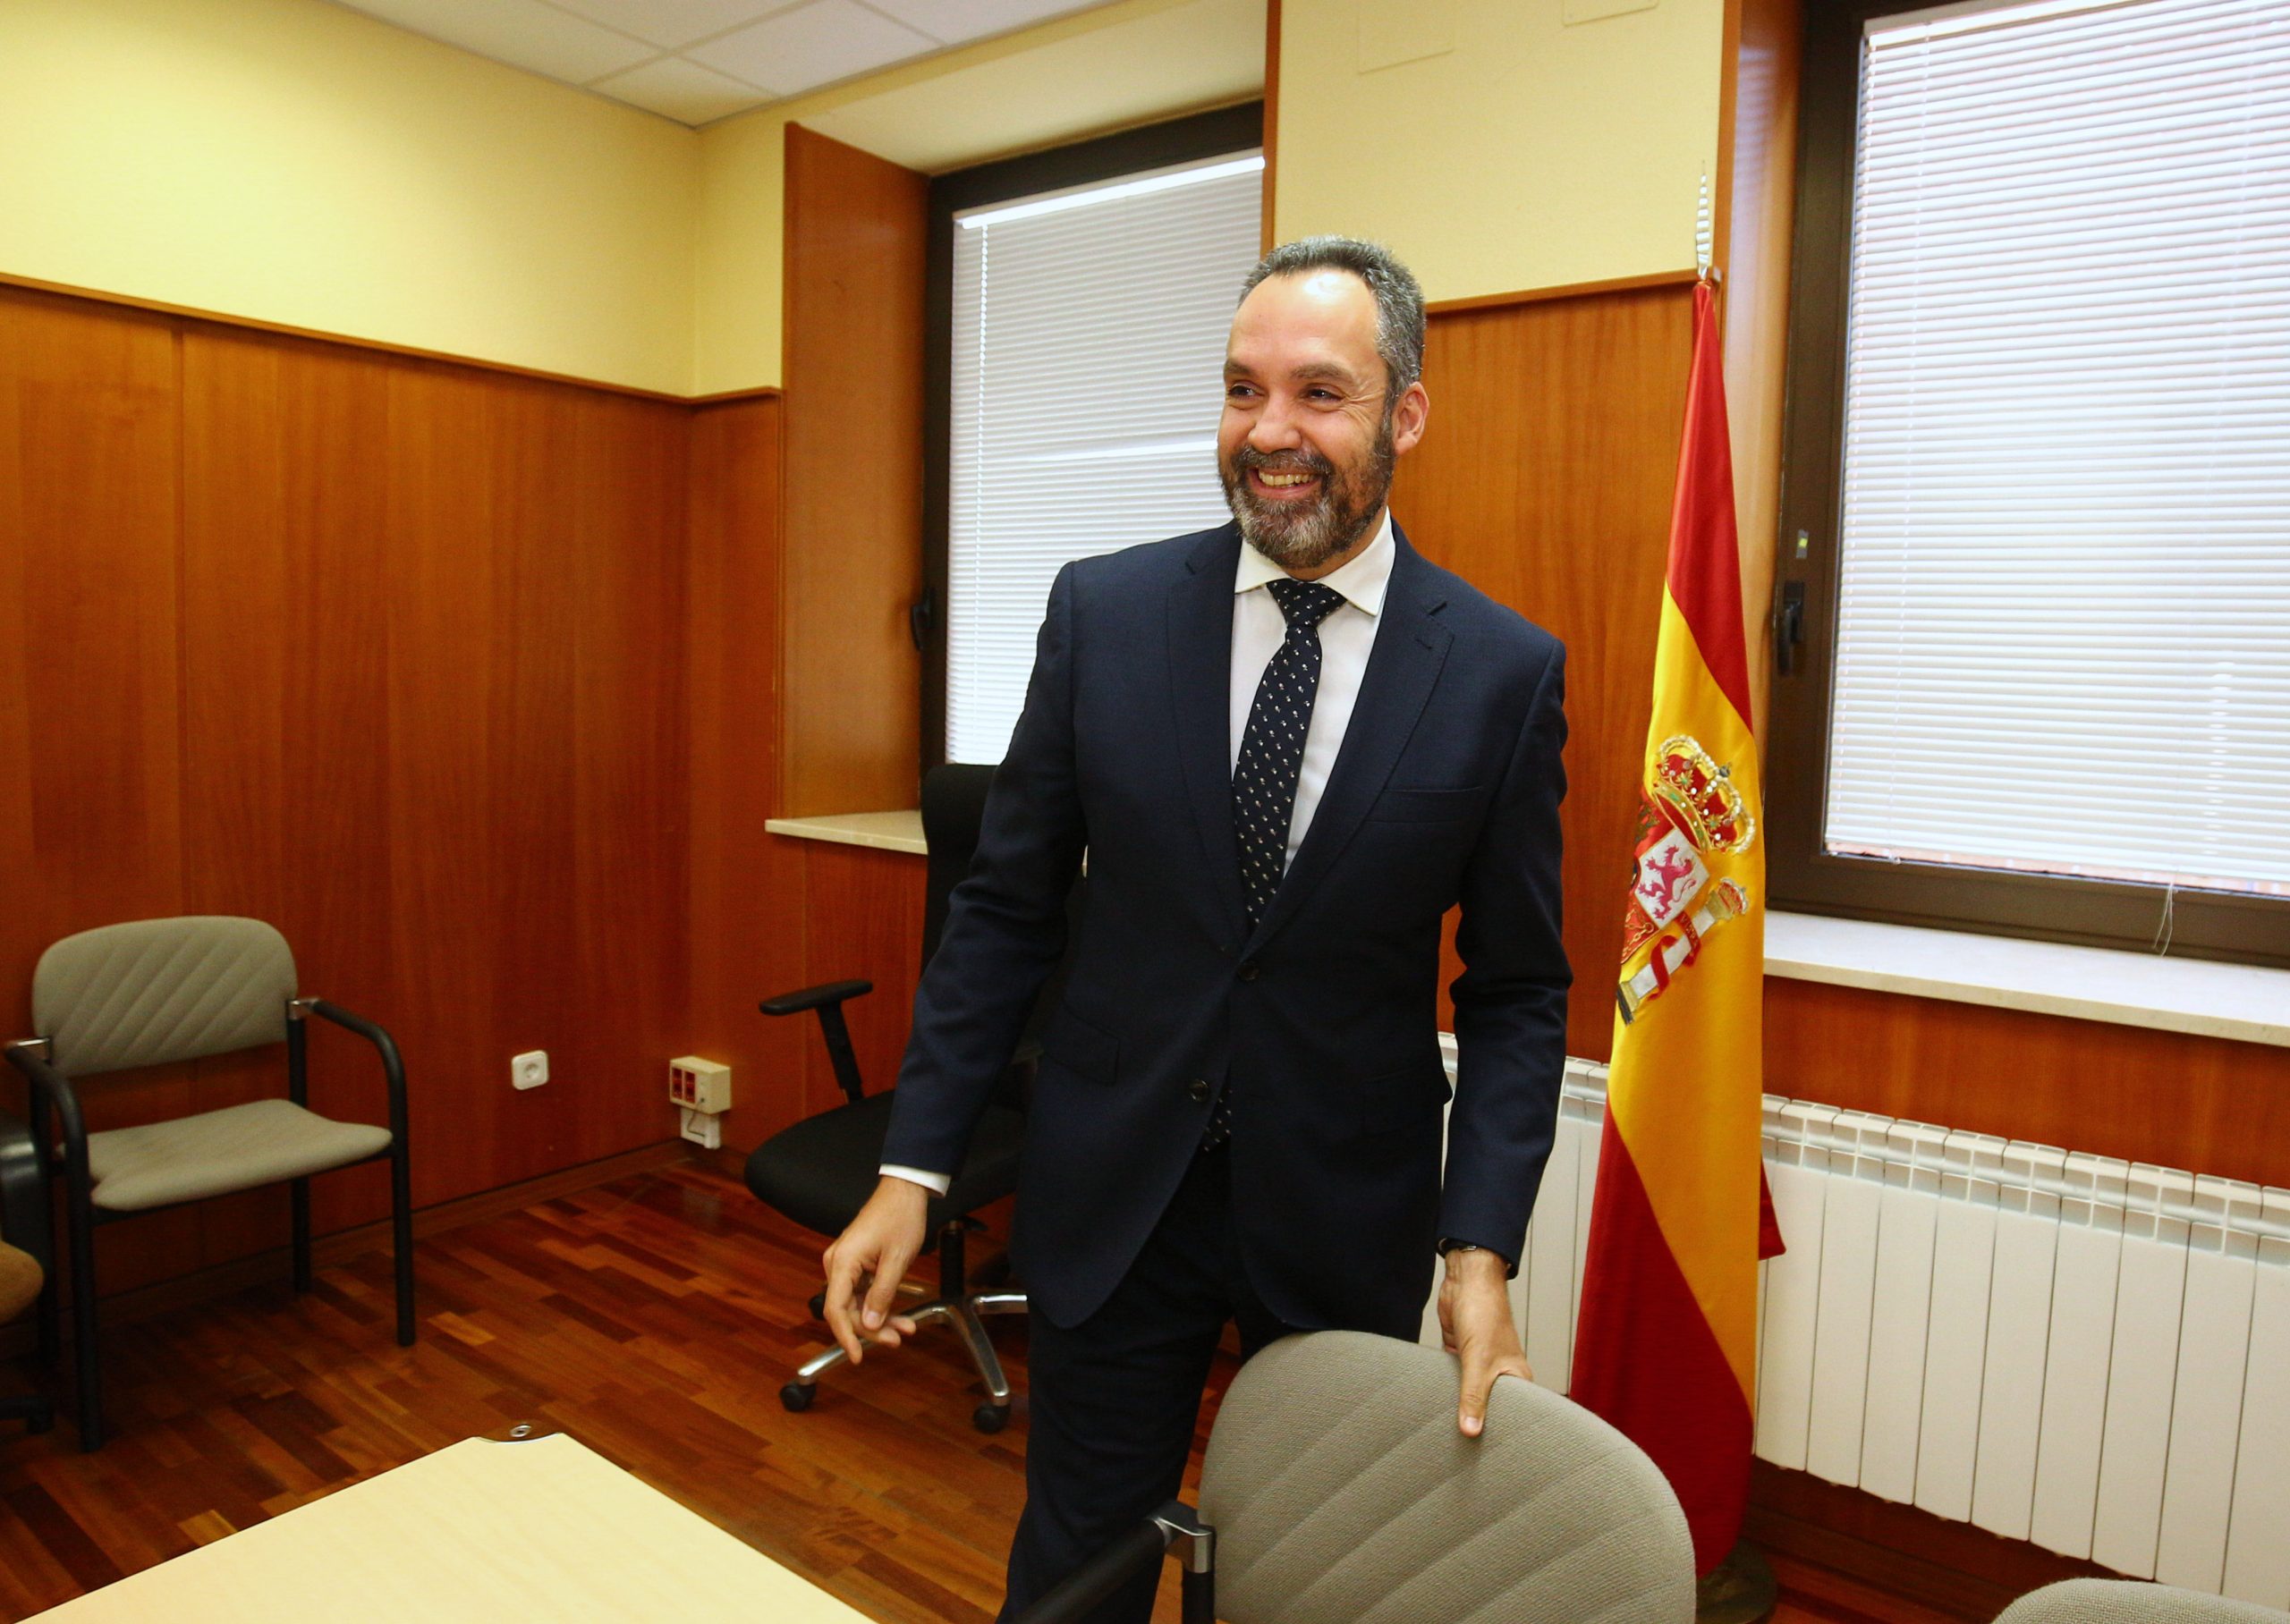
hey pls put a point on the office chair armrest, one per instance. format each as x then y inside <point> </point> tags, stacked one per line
<point>1175,1529</point>
<point>23,1191</point>
<point>393,1066</point>
<point>815,997</point>
<point>827,999</point>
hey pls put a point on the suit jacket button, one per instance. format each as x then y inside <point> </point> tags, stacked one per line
<point>1250,969</point>
<point>1198,1090</point>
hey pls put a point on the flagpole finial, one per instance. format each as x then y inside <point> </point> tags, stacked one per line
<point>1703,255</point>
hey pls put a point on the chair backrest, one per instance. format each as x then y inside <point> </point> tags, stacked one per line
<point>156,991</point>
<point>953,809</point>
<point>1342,1494</point>
<point>2130,1602</point>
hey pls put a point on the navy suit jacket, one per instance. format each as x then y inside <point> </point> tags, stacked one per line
<point>1323,1019</point>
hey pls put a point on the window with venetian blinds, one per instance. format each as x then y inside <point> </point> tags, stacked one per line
<point>1088,356</point>
<point>2064,623</point>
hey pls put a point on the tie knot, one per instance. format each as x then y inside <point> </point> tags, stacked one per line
<point>1305,603</point>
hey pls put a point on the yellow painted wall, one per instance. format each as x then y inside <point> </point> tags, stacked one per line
<point>297,162</point>
<point>1527,154</point>
<point>1132,62</point>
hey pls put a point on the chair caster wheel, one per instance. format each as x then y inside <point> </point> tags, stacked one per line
<point>818,1305</point>
<point>797,1397</point>
<point>990,1417</point>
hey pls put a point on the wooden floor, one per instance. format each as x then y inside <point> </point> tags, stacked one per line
<point>654,1318</point>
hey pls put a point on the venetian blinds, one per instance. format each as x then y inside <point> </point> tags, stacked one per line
<point>2064,637</point>
<point>1089,352</point>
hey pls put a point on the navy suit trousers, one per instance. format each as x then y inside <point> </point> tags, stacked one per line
<point>1113,1402</point>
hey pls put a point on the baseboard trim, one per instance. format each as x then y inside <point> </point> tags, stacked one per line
<point>1950,1568</point>
<point>240,1273</point>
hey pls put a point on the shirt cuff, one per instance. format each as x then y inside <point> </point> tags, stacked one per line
<point>938,1184</point>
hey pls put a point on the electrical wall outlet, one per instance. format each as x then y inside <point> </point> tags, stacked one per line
<point>700,1086</point>
<point>529,1069</point>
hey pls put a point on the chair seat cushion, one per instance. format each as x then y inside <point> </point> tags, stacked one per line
<point>820,1172</point>
<point>238,1147</point>
<point>20,1281</point>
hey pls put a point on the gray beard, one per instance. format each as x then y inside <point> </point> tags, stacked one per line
<point>1299,541</point>
<point>1308,540</point>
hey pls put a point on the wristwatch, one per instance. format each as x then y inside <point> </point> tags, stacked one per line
<point>1510,1267</point>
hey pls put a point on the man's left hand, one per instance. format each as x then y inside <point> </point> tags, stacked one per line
<point>1475,1324</point>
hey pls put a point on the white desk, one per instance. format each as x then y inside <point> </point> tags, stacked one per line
<point>479,1531</point>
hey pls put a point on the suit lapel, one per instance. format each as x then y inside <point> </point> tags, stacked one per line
<point>1201,667</point>
<point>1403,666</point>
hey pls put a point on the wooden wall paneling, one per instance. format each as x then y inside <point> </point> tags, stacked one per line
<point>1267,239</point>
<point>1545,479</point>
<point>87,572</point>
<point>863,917</point>
<point>511,538</point>
<point>748,907</point>
<point>90,700</point>
<point>2204,1105</point>
<point>856,233</point>
<point>631,895</point>
<point>239,621</point>
<point>438,588</point>
<point>398,663</point>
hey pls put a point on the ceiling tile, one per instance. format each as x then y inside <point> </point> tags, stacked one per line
<point>523,33</point>
<point>814,45</point>
<point>675,23</point>
<point>682,91</point>
<point>956,21</point>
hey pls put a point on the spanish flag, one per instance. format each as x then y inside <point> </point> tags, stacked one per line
<point>1666,1347</point>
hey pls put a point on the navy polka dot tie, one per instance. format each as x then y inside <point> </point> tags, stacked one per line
<point>1272,755</point>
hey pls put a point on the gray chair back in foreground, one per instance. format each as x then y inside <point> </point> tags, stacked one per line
<point>2131,1602</point>
<point>1337,1491</point>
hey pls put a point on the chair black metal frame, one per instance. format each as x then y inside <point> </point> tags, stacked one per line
<point>54,1106</point>
<point>956,1302</point>
<point>24,1224</point>
<point>1174,1530</point>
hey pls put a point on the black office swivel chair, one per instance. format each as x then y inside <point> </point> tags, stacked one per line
<point>820,1172</point>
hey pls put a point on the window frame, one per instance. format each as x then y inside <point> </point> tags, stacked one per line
<point>1801,877</point>
<point>1182,140</point>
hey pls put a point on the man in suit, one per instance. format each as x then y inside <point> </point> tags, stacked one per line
<point>1287,746</point>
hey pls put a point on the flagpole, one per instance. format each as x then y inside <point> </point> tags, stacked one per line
<point>1741,1588</point>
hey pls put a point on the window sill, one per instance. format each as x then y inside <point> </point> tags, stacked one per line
<point>2241,1002</point>
<point>2245,1002</point>
<point>883,831</point>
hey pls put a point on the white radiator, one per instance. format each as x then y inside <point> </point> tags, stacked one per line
<point>2091,1354</point>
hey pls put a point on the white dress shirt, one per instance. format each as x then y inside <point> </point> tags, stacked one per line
<point>1259,628</point>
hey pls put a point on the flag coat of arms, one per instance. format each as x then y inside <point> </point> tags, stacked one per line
<point>1667,1345</point>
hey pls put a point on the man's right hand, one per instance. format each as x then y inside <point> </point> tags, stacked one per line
<point>872,1255</point>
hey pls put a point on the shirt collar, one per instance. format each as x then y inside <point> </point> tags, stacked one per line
<point>1361,581</point>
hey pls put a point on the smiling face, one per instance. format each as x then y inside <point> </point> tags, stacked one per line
<point>1311,434</point>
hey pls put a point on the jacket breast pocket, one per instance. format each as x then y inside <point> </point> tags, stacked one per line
<point>1427,806</point>
<point>1075,1045</point>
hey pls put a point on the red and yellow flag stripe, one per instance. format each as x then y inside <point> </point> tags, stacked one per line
<point>1666,1347</point>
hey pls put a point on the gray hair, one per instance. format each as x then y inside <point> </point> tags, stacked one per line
<point>1399,301</point>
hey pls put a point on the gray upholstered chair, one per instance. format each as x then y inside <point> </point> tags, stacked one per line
<point>1336,1490</point>
<point>160,991</point>
<point>2131,1602</point>
<point>23,1255</point>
